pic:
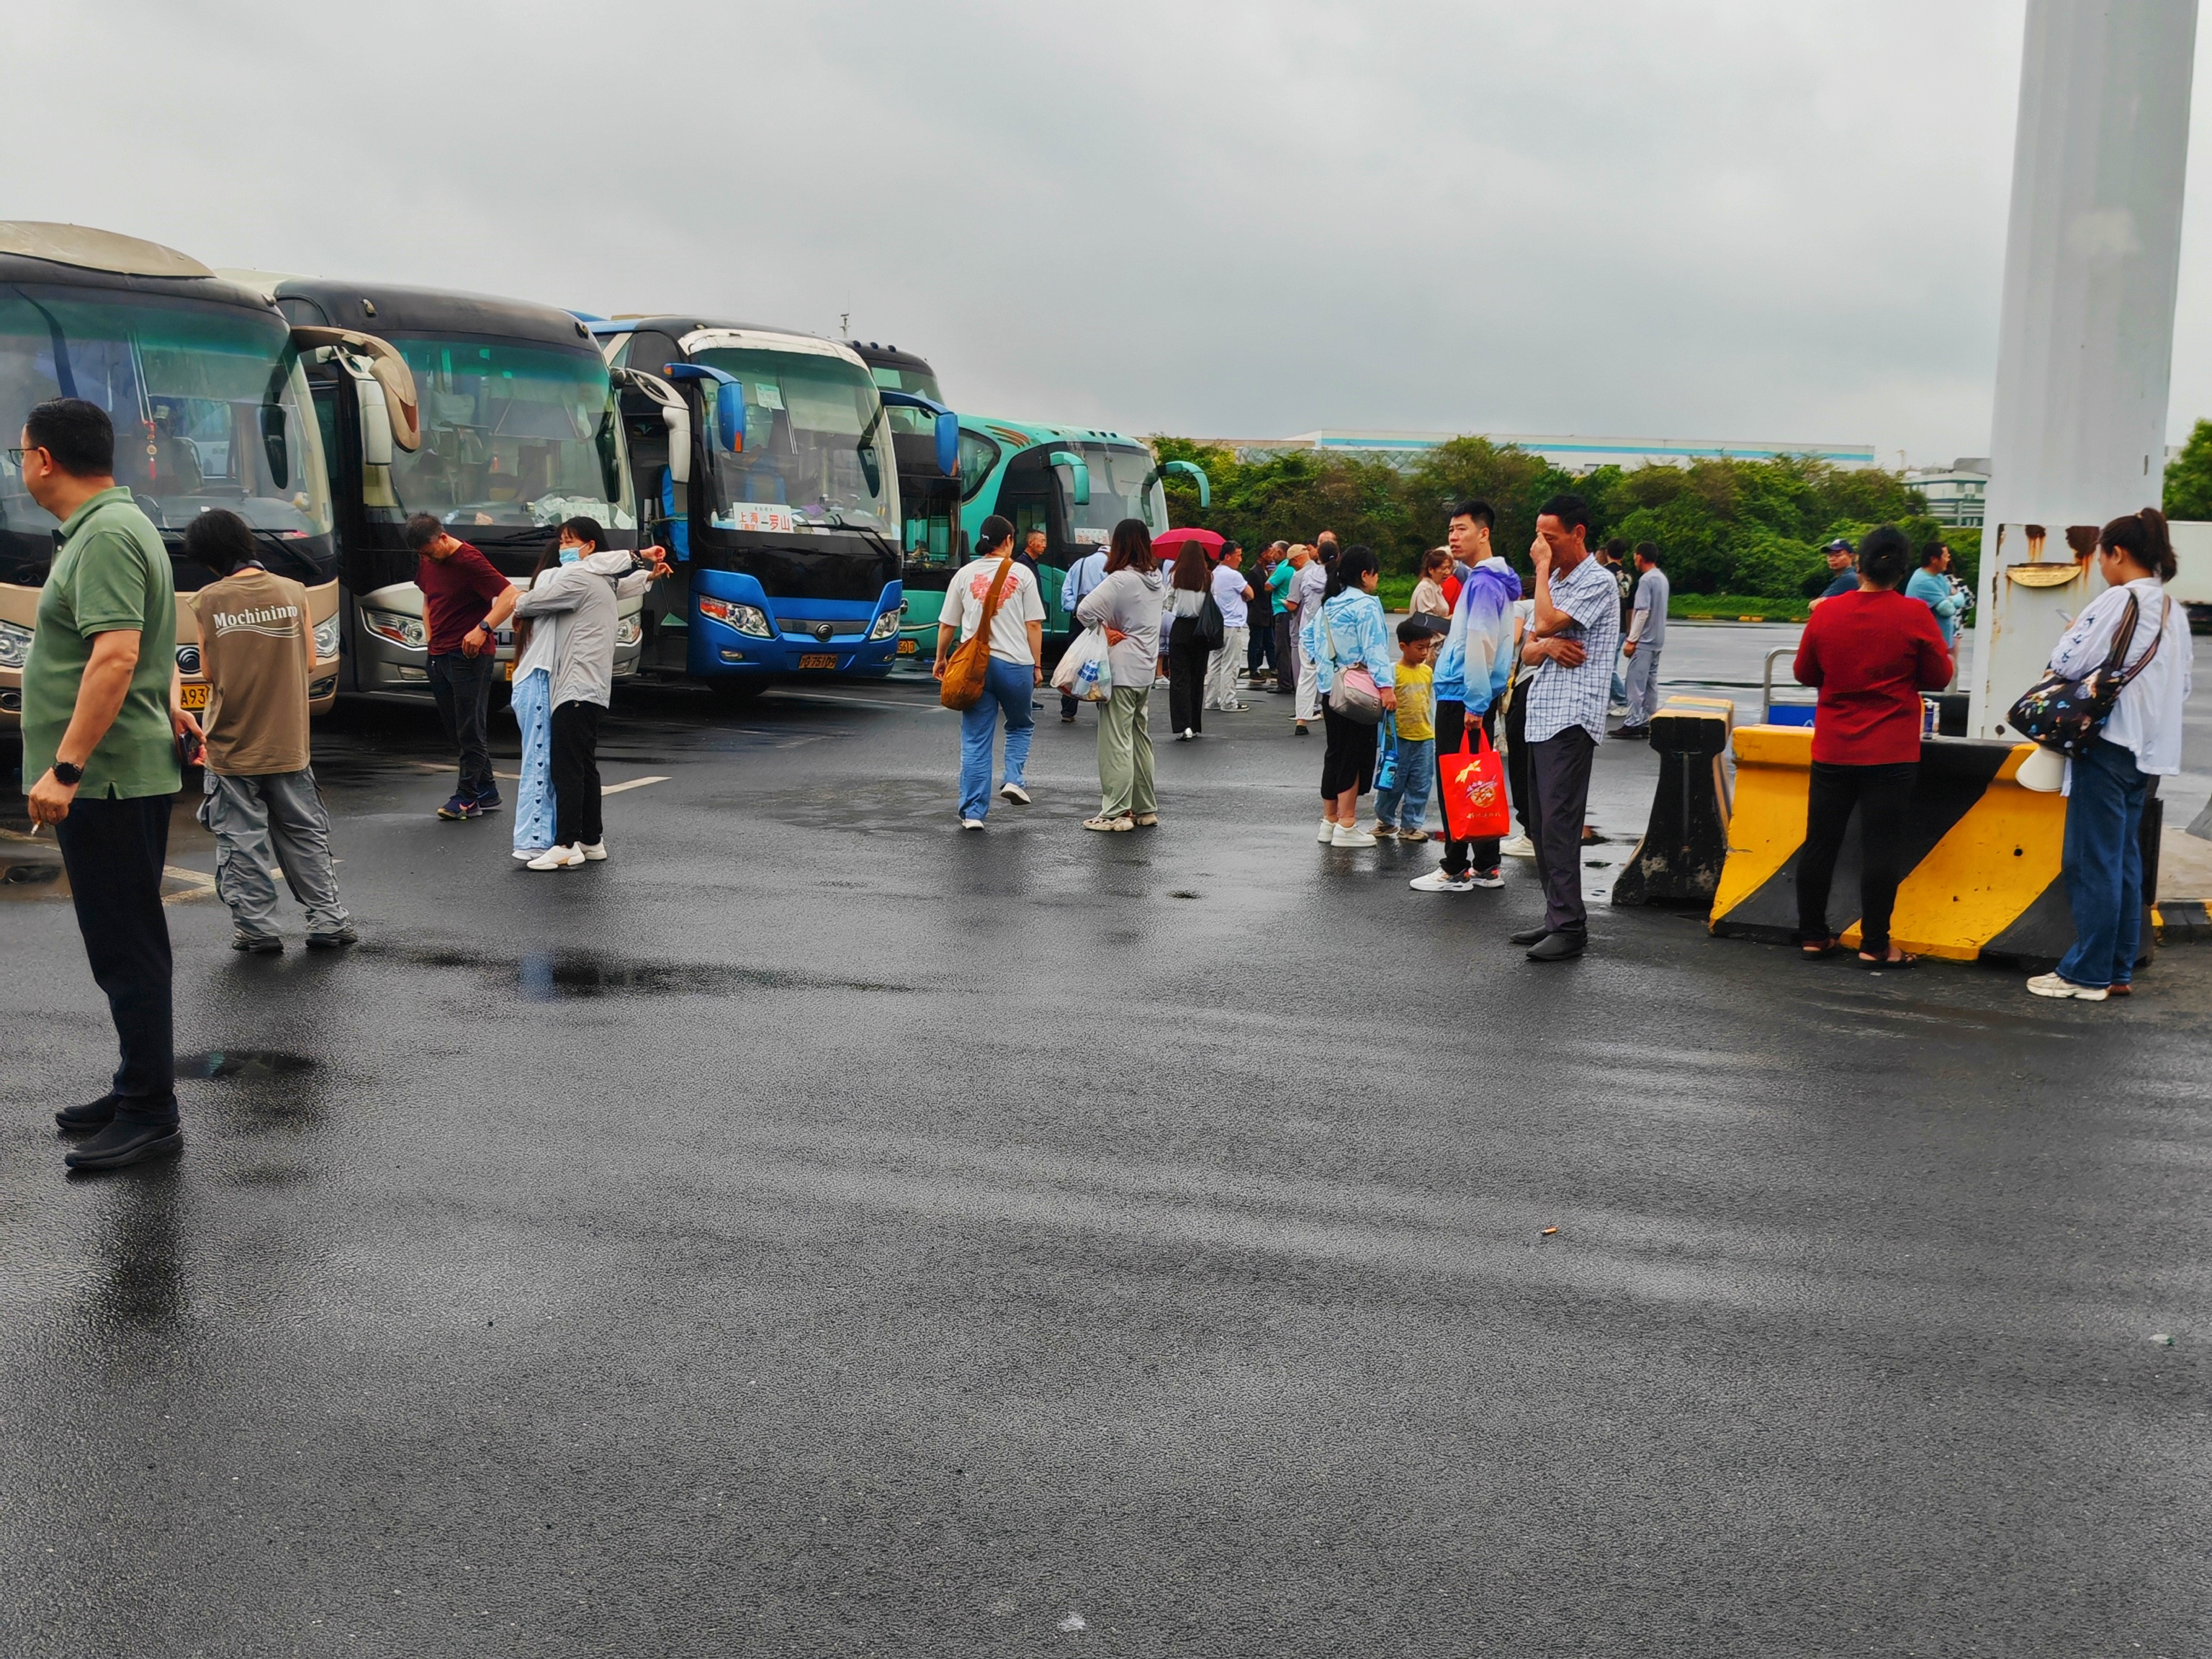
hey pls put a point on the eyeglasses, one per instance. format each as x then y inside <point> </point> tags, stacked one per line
<point>15,456</point>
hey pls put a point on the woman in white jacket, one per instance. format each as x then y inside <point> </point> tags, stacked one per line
<point>1126,605</point>
<point>2107,785</point>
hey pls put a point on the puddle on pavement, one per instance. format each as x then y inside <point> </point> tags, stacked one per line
<point>551,976</point>
<point>250,1063</point>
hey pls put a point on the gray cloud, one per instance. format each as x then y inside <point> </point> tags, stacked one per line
<point>1730,219</point>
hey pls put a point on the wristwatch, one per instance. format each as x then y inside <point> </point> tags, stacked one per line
<point>66,773</point>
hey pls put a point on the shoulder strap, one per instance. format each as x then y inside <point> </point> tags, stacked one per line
<point>2123,636</point>
<point>2165,613</point>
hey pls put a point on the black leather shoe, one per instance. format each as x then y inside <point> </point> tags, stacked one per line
<point>1557,947</point>
<point>84,1119</point>
<point>1534,935</point>
<point>121,1145</point>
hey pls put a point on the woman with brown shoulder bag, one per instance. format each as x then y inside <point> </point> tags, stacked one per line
<point>994,609</point>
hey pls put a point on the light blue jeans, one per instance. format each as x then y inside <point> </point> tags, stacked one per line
<point>2103,866</point>
<point>1007,686</point>
<point>532,699</point>
<point>1406,801</point>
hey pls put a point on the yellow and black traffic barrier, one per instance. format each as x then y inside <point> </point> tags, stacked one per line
<point>1684,845</point>
<point>1982,855</point>
<point>2183,921</point>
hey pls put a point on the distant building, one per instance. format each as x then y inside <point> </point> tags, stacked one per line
<point>1570,454</point>
<point>1955,494</point>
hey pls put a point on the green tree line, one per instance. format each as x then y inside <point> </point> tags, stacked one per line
<point>1751,527</point>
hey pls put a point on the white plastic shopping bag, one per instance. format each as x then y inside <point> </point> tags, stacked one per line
<point>1083,673</point>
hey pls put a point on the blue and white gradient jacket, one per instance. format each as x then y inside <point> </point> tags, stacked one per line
<point>1354,625</point>
<point>1476,663</point>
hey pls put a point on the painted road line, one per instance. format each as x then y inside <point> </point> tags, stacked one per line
<point>634,783</point>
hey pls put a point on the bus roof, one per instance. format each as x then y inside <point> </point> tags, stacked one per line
<point>75,254</point>
<point>681,329</point>
<point>384,308</point>
<point>1024,433</point>
<point>889,356</point>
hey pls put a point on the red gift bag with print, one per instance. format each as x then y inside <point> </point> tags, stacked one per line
<point>1474,790</point>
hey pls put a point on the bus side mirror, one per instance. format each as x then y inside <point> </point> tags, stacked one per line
<point>1080,467</point>
<point>402,412</point>
<point>1194,471</point>
<point>948,444</point>
<point>274,446</point>
<point>729,414</point>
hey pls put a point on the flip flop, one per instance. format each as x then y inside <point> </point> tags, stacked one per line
<point>1879,964</point>
<point>1813,951</point>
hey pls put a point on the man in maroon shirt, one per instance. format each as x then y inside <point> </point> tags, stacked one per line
<point>464,602</point>
<point>1871,652</point>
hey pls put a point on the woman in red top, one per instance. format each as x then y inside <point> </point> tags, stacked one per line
<point>1871,653</point>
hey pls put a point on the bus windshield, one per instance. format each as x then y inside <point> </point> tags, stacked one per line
<point>922,383</point>
<point>816,455</point>
<point>512,435</point>
<point>209,401</point>
<point>1119,490</point>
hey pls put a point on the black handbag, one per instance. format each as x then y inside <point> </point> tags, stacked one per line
<point>1212,624</point>
<point>2066,715</point>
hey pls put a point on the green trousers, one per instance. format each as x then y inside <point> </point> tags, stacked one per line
<point>1125,755</point>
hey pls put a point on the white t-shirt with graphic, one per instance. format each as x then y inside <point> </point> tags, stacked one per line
<point>1019,605</point>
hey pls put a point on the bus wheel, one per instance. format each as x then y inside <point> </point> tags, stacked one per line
<point>732,693</point>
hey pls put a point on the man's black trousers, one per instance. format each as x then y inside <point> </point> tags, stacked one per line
<point>115,852</point>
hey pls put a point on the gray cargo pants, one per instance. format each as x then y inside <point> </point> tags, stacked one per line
<point>274,820</point>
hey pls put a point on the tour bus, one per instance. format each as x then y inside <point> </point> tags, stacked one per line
<point>204,379</point>
<point>929,501</point>
<point>1075,483</point>
<point>771,458</point>
<point>518,429</point>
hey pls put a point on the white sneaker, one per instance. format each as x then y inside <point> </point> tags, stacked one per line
<point>1517,847</point>
<point>1437,881</point>
<point>1014,792</point>
<point>1349,838</point>
<point>2051,985</point>
<point>1327,831</point>
<point>971,823</point>
<point>555,858</point>
<point>593,851</point>
<point>524,858</point>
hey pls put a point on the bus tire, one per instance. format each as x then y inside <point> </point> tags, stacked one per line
<point>733,692</point>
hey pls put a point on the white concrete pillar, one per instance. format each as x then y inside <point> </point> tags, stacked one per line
<point>2085,345</point>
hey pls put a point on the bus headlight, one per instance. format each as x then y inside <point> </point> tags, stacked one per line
<point>886,625</point>
<point>745,618</point>
<point>400,630</point>
<point>630,630</point>
<point>14,645</point>
<point>326,639</point>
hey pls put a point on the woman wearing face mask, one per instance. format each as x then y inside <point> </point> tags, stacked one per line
<point>576,606</point>
<point>531,698</point>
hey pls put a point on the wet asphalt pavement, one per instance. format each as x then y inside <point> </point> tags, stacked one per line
<point>817,1230</point>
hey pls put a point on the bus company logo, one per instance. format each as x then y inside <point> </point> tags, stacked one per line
<point>277,622</point>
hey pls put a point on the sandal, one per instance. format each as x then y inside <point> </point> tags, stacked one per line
<point>1813,948</point>
<point>1876,964</point>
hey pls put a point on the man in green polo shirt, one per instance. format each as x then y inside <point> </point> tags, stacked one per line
<point>101,724</point>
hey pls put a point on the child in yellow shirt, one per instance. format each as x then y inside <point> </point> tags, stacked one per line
<point>1403,809</point>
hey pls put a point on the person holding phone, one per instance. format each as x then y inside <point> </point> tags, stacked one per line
<point>101,727</point>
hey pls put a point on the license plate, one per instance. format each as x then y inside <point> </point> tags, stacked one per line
<point>818,659</point>
<point>193,696</point>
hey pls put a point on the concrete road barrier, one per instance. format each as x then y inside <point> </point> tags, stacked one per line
<point>1684,844</point>
<point>1982,855</point>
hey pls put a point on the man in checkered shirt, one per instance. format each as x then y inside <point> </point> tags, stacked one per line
<point>1572,636</point>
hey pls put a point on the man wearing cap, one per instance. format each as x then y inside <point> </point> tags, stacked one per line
<point>1845,579</point>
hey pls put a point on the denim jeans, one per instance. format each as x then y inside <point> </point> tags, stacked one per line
<point>462,687</point>
<point>2103,866</point>
<point>1007,687</point>
<point>1407,800</point>
<point>532,699</point>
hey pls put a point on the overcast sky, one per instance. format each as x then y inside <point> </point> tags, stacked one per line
<point>1738,219</point>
